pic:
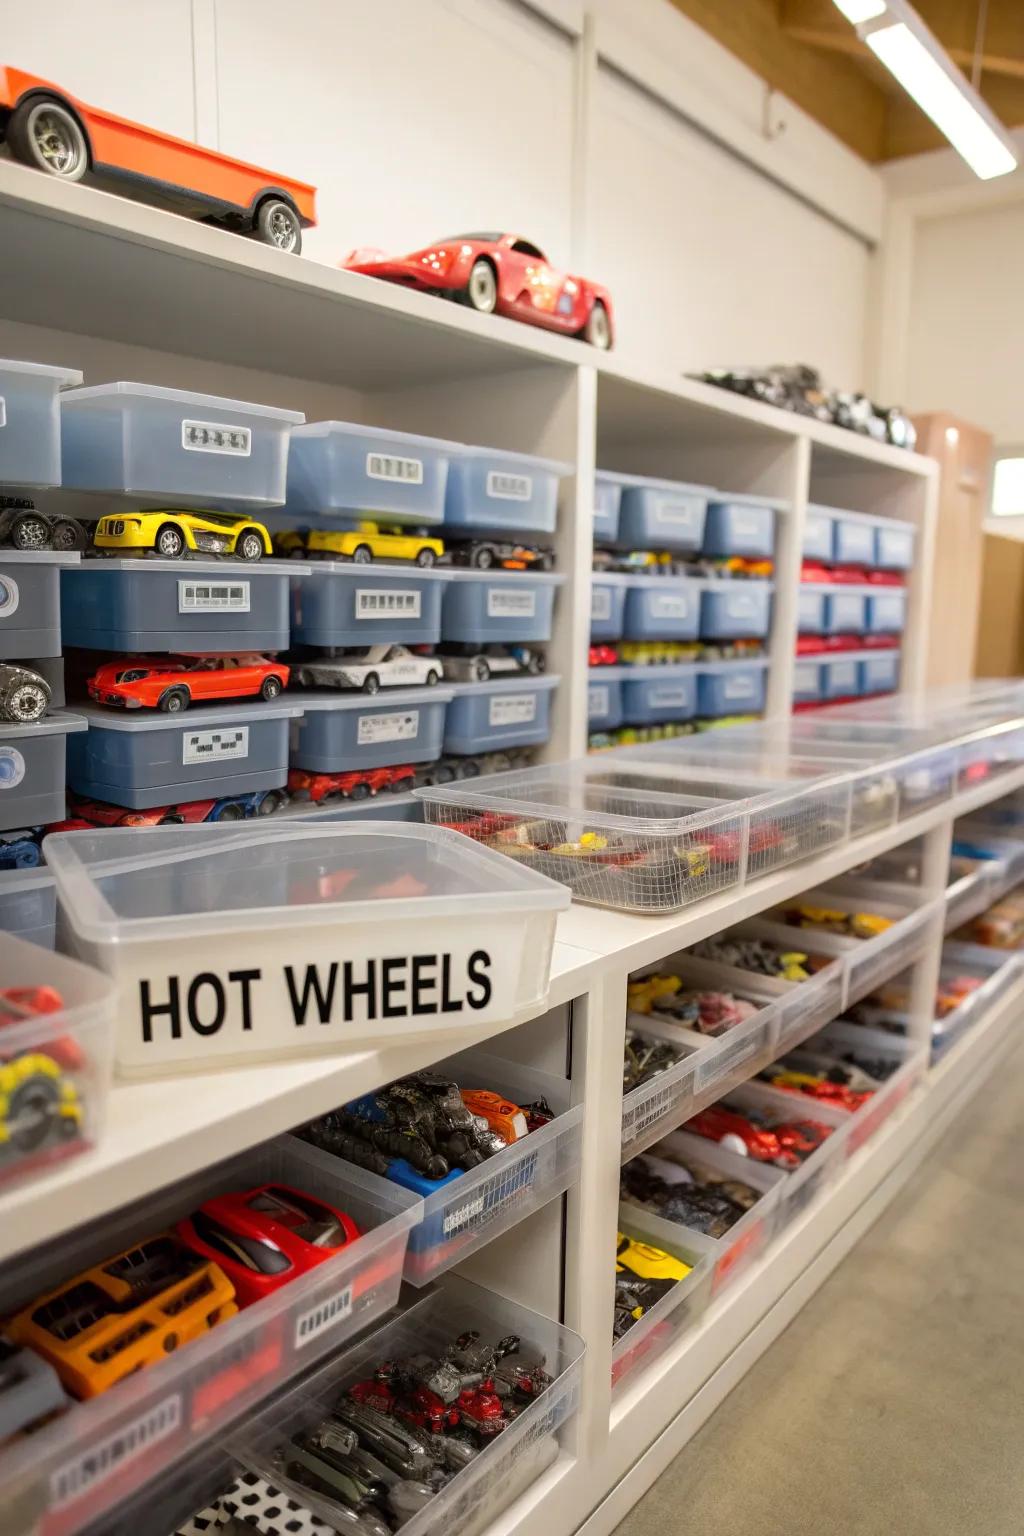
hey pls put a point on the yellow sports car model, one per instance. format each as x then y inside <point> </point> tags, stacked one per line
<point>643,1274</point>
<point>173,534</point>
<point>369,542</point>
<point>644,994</point>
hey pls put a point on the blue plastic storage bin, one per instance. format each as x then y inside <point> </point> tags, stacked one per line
<point>30,602</point>
<point>28,905</point>
<point>879,674</point>
<point>854,539</point>
<point>30,423</point>
<point>808,682</point>
<point>731,688</point>
<point>344,468</point>
<point>810,611</point>
<point>32,770</point>
<point>607,505</point>
<point>662,608</point>
<point>608,606</point>
<point>844,612</point>
<point>493,716</point>
<point>819,535</point>
<point>894,545</point>
<point>480,607</point>
<point>604,698</point>
<point>175,446</point>
<point>494,491</point>
<point>204,752</point>
<point>736,610</point>
<point>336,603</point>
<point>886,611</point>
<point>662,514</point>
<point>741,525</point>
<point>840,678</point>
<point>344,732</point>
<point>651,695</point>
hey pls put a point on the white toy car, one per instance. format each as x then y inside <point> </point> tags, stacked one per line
<point>470,664</point>
<point>382,666</point>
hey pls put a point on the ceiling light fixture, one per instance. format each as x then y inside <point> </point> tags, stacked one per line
<point>901,41</point>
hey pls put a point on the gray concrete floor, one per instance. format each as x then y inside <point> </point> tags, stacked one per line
<point>894,1402</point>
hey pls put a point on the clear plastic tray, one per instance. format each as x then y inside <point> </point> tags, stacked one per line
<point>922,761</point>
<point>909,1059</point>
<point>28,905</point>
<point>30,412</point>
<point>679,1310</point>
<point>1000,968</point>
<point>96,1453</point>
<point>800,1185</point>
<point>227,942</point>
<point>476,1496</point>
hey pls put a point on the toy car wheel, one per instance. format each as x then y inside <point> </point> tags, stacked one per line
<point>483,558</point>
<point>403,786</point>
<point>27,702</point>
<point>546,561</point>
<point>371,683</point>
<point>433,678</point>
<point>270,688</point>
<point>534,663</point>
<point>231,812</point>
<point>425,557</point>
<point>469,769</point>
<point>359,792</point>
<point>598,330</point>
<point>363,555</point>
<point>170,542</point>
<point>66,534</point>
<point>443,774</point>
<point>272,801</point>
<point>30,531</point>
<point>173,700</point>
<point>482,289</point>
<point>277,224</point>
<point>249,546</point>
<point>32,1110</point>
<point>481,671</point>
<point>43,133</point>
<point>733,1143</point>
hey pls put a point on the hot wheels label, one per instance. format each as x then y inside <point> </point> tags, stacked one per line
<point>388,466</point>
<point>601,603</point>
<point>387,603</point>
<point>213,596</point>
<point>512,709</point>
<point>393,727</point>
<point>310,1324</point>
<point>505,487</point>
<point>214,437</point>
<point>105,1459</point>
<point>460,1215</point>
<point>12,767</point>
<point>510,603</point>
<point>213,746</point>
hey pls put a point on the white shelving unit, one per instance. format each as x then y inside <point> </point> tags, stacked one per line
<point>126,291</point>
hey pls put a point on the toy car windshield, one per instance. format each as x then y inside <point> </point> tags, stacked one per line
<point>313,1222</point>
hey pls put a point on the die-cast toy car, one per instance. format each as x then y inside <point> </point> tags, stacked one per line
<point>486,554</point>
<point>24,695</point>
<point>366,542</point>
<point>172,683</point>
<point>475,664</point>
<point>173,534</point>
<point>381,666</point>
<point>25,527</point>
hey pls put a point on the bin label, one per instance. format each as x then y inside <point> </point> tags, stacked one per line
<point>598,700</point>
<point>741,605</point>
<point>388,466</point>
<point>669,698</point>
<point>670,605</point>
<point>102,1460</point>
<point>510,603</point>
<point>316,1320</point>
<point>461,1215</point>
<point>512,708</point>
<point>12,767</point>
<point>506,487</point>
<point>394,727</point>
<point>746,525</point>
<point>728,1059</point>
<point>601,603</point>
<point>387,603</point>
<point>215,437</point>
<point>3,411</point>
<point>9,596</point>
<point>212,746</point>
<point>213,596</point>
<point>676,512</point>
<point>739,687</point>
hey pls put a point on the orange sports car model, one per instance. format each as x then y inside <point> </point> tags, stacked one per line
<point>45,127</point>
<point>172,683</point>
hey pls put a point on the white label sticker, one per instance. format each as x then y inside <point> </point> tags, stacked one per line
<point>746,525</point>
<point>213,437</point>
<point>387,603</point>
<point>638,1117</point>
<point>505,487</point>
<point>9,596</point>
<point>741,605</point>
<point>388,466</point>
<point>512,708</point>
<point>12,767</point>
<point>316,1320</point>
<point>668,698</point>
<point>3,411</point>
<point>598,700</point>
<point>104,1459</point>
<point>510,603</point>
<point>461,1215</point>
<point>731,1056</point>
<point>213,746</point>
<point>739,687</point>
<point>213,596</point>
<point>670,605</point>
<point>677,513</point>
<point>601,603</point>
<point>394,727</point>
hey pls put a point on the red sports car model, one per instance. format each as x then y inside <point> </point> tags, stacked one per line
<point>499,275</point>
<point>786,1144</point>
<point>355,784</point>
<point>266,1236</point>
<point>172,683</point>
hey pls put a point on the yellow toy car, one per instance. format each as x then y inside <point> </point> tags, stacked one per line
<point>173,534</point>
<point>369,541</point>
<point>643,1274</point>
<point>644,994</point>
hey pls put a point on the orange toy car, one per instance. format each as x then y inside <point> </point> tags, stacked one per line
<point>172,683</point>
<point>49,129</point>
<point>506,1119</point>
<point>125,1314</point>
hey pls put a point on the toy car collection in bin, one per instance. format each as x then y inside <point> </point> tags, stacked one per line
<point>922,766</point>
<point>674,1313</point>
<point>825,1129</point>
<point>886,611</point>
<point>146,441</point>
<point>604,698</point>
<point>608,605</point>
<point>140,761</point>
<point>736,610</point>
<point>267,939</point>
<point>904,1062</point>
<point>32,769</point>
<point>662,514</point>
<point>996,969</point>
<point>30,593</point>
<point>340,732</point>
<point>894,545</point>
<point>607,505</point>
<point>338,604</point>
<point>341,468</point>
<point>878,673</point>
<point>501,713</point>
<point>660,608</point>
<point>731,688</point>
<point>741,525</point>
<point>30,422</point>
<point>481,607</point>
<point>492,491</point>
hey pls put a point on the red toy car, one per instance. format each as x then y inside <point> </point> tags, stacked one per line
<point>20,1003</point>
<point>499,274</point>
<point>786,1144</point>
<point>357,784</point>
<point>266,1236</point>
<point>602,656</point>
<point>52,131</point>
<point>172,683</point>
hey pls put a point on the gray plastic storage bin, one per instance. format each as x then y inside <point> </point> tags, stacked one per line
<point>194,450</point>
<point>491,716</point>
<point>736,610</point>
<point>819,535</point>
<point>810,611</point>
<point>662,608</point>
<point>30,602</point>
<point>808,682</point>
<point>604,698</point>
<point>662,514</point>
<point>840,678</point>
<point>491,490</point>
<point>845,613</point>
<point>336,603</point>
<point>651,695</point>
<point>158,759</point>
<point>731,688</point>
<point>32,775</point>
<point>608,606</point>
<point>30,422</point>
<point>894,545</point>
<point>854,539</point>
<point>28,905</point>
<point>741,525</point>
<point>480,607</point>
<point>886,611</point>
<point>176,605</point>
<point>607,505</point>
<point>343,467</point>
<point>879,674</point>
<point>343,732</point>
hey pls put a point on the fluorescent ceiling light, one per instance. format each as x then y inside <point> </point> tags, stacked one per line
<point>861,10</point>
<point>1008,487</point>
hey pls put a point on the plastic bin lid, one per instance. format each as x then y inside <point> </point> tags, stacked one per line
<point>361,429</point>
<point>388,698</point>
<point>717,667</point>
<point>14,881</point>
<point>507,456</point>
<point>542,578</point>
<point>855,588</point>
<point>875,519</point>
<point>654,673</point>
<point>39,557</point>
<point>65,376</point>
<point>144,883</point>
<point>670,583</point>
<point>199,715</point>
<point>187,397</point>
<point>743,498</point>
<point>524,683</point>
<point>226,570</point>
<point>369,571</point>
<point>654,482</point>
<point>57,724</point>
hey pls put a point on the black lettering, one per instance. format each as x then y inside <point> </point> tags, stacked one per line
<point>354,989</point>
<point>151,1010</point>
<point>449,1004</point>
<point>393,1007</point>
<point>245,979</point>
<point>479,965</point>
<point>423,984</point>
<point>206,979</point>
<point>311,983</point>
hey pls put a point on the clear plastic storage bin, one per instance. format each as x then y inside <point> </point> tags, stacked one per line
<point>96,1453</point>
<point>32,770</point>
<point>736,610</point>
<point>340,732</point>
<point>854,538</point>
<point>662,608</point>
<point>158,759</point>
<point>731,688</point>
<point>894,545</point>
<point>741,525</point>
<point>342,467</point>
<point>845,611</point>
<point>607,504</point>
<point>886,611</point>
<point>662,514</point>
<point>30,422</point>
<point>604,698</point>
<point>502,713</point>
<point>493,491</point>
<point>30,602</point>
<point>879,673</point>
<point>485,607</point>
<point>675,1313</point>
<point>923,767</point>
<point>28,905</point>
<point>339,604</point>
<point>608,605</point>
<point>816,1172</point>
<point>907,1060</point>
<point>819,535</point>
<point>515,1459</point>
<point>227,941</point>
<point>1000,969</point>
<point>194,450</point>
